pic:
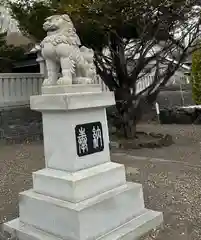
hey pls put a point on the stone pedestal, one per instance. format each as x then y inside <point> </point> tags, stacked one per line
<point>81,194</point>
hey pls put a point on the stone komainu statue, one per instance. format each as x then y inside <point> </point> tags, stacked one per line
<point>62,50</point>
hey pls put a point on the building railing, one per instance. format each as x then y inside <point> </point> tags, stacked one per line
<point>16,88</point>
<point>147,80</point>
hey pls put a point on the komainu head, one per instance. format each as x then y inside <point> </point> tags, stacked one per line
<point>61,26</point>
<point>57,22</point>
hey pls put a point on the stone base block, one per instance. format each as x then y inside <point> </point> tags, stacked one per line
<point>71,101</point>
<point>80,185</point>
<point>74,88</point>
<point>130,230</point>
<point>88,219</point>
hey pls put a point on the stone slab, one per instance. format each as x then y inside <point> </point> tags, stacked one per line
<point>131,230</point>
<point>88,219</point>
<point>80,185</point>
<point>71,101</point>
<point>74,88</point>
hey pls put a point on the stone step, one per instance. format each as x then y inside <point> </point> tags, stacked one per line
<point>133,229</point>
<point>27,232</point>
<point>88,219</point>
<point>81,185</point>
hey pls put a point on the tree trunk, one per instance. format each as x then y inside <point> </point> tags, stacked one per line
<point>129,125</point>
<point>127,114</point>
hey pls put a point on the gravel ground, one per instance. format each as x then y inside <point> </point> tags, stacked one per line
<point>17,162</point>
<point>172,185</point>
<point>173,189</point>
<point>187,147</point>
